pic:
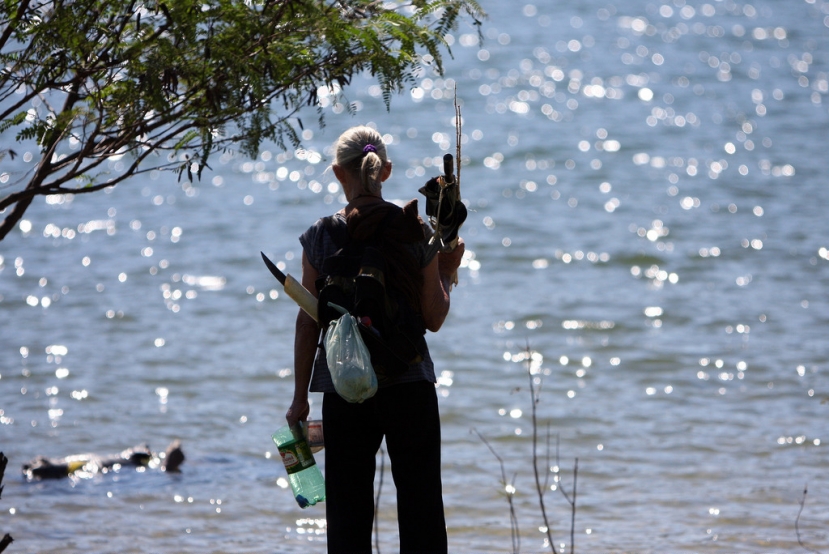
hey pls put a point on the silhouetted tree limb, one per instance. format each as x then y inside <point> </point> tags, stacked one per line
<point>6,540</point>
<point>509,490</point>
<point>107,89</point>
<point>797,521</point>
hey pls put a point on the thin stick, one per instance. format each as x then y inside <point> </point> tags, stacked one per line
<point>573,509</point>
<point>797,520</point>
<point>7,539</point>
<point>3,462</point>
<point>458,137</point>
<point>513,519</point>
<point>560,482</point>
<point>538,487</point>
<point>571,501</point>
<point>547,457</point>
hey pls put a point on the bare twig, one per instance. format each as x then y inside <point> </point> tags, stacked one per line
<point>541,484</point>
<point>560,482</point>
<point>3,462</point>
<point>458,140</point>
<point>573,509</point>
<point>6,540</point>
<point>540,489</point>
<point>571,501</point>
<point>547,457</point>
<point>509,489</point>
<point>797,520</point>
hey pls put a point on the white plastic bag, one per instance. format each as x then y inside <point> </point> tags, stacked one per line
<point>348,359</point>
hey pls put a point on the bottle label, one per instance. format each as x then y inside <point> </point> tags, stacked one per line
<point>296,456</point>
<point>314,436</point>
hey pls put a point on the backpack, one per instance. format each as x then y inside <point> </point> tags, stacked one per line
<point>354,277</point>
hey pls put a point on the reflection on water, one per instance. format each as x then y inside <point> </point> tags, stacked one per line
<point>646,233</point>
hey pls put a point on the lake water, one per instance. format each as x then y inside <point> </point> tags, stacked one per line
<point>648,217</point>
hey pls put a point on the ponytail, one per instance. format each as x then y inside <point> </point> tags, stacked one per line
<point>361,150</point>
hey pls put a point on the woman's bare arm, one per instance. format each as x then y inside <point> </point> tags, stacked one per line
<point>437,280</point>
<point>305,348</point>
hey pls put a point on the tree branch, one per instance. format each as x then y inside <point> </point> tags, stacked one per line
<point>797,521</point>
<point>6,540</point>
<point>10,28</point>
<point>132,82</point>
<point>538,486</point>
<point>509,489</point>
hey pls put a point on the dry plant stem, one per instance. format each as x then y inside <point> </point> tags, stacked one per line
<point>797,521</point>
<point>538,486</point>
<point>513,520</point>
<point>458,137</point>
<point>6,540</point>
<point>573,509</point>
<point>571,501</point>
<point>377,502</point>
<point>547,458</point>
<point>3,462</point>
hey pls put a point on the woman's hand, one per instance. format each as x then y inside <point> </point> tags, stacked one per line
<point>448,262</point>
<point>299,411</point>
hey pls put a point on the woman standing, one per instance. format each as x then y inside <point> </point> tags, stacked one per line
<point>405,408</point>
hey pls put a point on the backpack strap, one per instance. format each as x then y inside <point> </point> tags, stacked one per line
<point>337,229</point>
<point>344,281</point>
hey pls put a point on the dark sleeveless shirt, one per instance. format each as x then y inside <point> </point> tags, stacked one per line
<point>318,244</point>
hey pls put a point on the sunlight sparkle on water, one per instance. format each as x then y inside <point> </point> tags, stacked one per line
<point>666,116</point>
<point>308,526</point>
<point>162,393</point>
<point>445,379</point>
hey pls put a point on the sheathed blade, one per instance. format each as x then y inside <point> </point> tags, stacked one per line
<point>273,269</point>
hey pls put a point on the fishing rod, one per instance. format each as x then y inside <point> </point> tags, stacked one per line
<point>443,199</point>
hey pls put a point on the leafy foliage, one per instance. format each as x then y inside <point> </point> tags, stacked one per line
<point>164,85</point>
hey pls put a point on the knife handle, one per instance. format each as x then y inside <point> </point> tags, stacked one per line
<point>302,296</point>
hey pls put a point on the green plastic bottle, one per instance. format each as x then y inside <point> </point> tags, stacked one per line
<point>307,482</point>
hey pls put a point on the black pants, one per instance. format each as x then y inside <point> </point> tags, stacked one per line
<point>407,415</point>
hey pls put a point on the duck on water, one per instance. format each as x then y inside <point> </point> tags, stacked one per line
<point>88,465</point>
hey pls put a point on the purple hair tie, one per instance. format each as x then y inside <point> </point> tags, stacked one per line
<point>369,148</point>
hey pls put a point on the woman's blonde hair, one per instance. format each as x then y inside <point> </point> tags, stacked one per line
<point>361,151</point>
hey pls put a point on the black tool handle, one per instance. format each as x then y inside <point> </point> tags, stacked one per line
<point>448,169</point>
